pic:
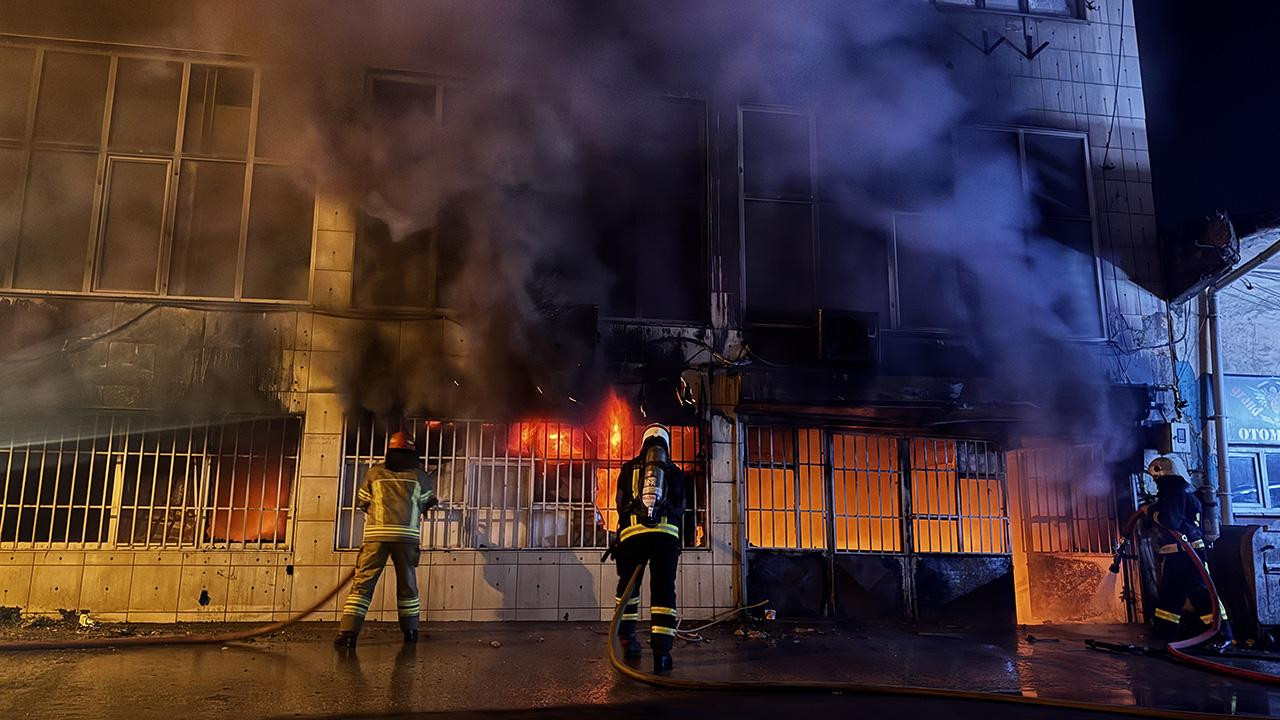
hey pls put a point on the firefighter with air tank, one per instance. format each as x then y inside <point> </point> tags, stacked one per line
<point>393,496</point>
<point>1174,516</point>
<point>651,510</point>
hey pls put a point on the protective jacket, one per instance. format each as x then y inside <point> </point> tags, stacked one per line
<point>632,519</point>
<point>394,501</point>
<point>1176,512</point>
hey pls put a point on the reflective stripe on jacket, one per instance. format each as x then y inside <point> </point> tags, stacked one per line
<point>393,502</point>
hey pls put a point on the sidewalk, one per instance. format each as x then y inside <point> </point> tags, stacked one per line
<point>464,667</point>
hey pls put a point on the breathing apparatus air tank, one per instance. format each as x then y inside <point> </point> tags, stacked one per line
<point>655,456</point>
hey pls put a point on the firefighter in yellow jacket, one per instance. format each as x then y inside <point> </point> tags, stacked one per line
<point>393,495</point>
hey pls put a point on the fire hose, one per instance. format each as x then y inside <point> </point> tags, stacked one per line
<point>153,640</point>
<point>1177,649</point>
<point>856,688</point>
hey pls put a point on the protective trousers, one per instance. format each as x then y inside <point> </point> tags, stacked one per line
<point>1180,581</point>
<point>662,554</point>
<point>373,557</point>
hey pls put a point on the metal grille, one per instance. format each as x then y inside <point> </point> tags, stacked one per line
<point>956,488</point>
<point>786,502</point>
<point>134,481</point>
<point>1067,500</point>
<point>516,485</point>
<point>866,480</point>
<point>958,497</point>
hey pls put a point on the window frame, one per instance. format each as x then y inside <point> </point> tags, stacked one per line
<point>106,155</point>
<point>813,201</point>
<point>1075,12</point>
<point>1256,454</point>
<point>1021,131</point>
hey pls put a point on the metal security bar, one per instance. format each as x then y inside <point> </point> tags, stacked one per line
<point>516,485</point>
<point>866,478</point>
<point>135,481</point>
<point>1067,501</point>
<point>958,490</point>
<point>785,498</point>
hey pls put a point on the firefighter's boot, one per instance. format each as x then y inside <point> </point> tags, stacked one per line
<point>411,636</point>
<point>662,663</point>
<point>631,649</point>
<point>345,640</point>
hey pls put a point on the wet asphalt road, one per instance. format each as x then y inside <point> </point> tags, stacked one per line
<point>559,671</point>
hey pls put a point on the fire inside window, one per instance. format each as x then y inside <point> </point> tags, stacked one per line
<point>138,482</point>
<point>1066,503</point>
<point>194,203</point>
<point>956,490</point>
<point>533,484</point>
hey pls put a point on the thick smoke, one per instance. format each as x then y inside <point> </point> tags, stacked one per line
<point>550,87</point>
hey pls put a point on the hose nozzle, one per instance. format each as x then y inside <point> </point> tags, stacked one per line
<point>1118,555</point>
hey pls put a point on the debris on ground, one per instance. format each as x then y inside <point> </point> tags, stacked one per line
<point>751,634</point>
<point>495,644</point>
<point>10,615</point>
<point>1033,639</point>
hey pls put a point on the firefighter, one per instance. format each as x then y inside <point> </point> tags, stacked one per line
<point>650,503</point>
<point>393,496</point>
<point>1175,513</point>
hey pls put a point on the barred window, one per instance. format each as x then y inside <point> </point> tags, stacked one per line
<point>139,482</point>
<point>1066,500</point>
<point>949,493</point>
<point>516,485</point>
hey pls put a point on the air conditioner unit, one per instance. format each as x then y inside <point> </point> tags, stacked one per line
<point>848,337</point>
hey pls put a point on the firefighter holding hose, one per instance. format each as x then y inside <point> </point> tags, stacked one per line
<point>1175,515</point>
<point>651,509</point>
<point>393,495</point>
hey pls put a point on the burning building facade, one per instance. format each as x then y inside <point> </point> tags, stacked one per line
<point>887,269</point>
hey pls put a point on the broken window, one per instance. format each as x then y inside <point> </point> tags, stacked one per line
<point>190,206</point>
<point>136,481</point>
<point>517,485</point>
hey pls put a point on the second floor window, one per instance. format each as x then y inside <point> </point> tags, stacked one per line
<point>147,175</point>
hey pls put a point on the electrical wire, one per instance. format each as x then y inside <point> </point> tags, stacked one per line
<point>906,691</point>
<point>154,640</point>
<point>717,619</point>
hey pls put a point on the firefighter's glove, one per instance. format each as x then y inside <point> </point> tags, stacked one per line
<point>612,551</point>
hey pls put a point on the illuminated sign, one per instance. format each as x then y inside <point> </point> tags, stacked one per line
<point>1252,409</point>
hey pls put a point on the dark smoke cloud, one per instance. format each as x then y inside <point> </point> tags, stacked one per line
<point>545,84</point>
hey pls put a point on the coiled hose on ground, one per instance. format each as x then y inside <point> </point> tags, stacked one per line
<point>871,688</point>
<point>153,640</point>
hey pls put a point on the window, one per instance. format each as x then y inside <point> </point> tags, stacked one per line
<point>956,490</point>
<point>133,481</point>
<point>1053,252</point>
<point>779,232</point>
<point>188,206</point>
<point>1066,502</point>
<point>641,205</point>
<point>1253,475</point>
<point>516,485</point>
<point>1057,8</point>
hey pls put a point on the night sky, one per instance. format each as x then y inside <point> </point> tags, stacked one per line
<point>1209,71</point>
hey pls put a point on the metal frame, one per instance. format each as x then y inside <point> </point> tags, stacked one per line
<point>1075,11</point>
<point>41,47</point>
<point>1021,132</point>
<point>933,503</point>
<point>1058,514</point>
<point>190,465</point>
<point>1257,455</point>
<point>498,483</point>
<point>812,201</point>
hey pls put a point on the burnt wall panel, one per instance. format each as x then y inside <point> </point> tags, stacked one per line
<point>966,591</point>
<point>868,587</point>
<point>794,583</point>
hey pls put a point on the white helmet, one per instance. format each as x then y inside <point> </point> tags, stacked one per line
<point>1161,466</point>
<point>659,431</point>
